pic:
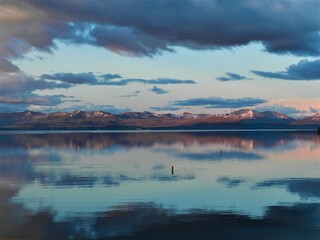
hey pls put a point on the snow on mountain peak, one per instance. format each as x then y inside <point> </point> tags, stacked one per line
<point>243,114</point>
<point>316,117</point>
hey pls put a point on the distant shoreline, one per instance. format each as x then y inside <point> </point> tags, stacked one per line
<point>49,131</point>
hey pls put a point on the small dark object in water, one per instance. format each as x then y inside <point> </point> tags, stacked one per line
<point>318,130</point>
<point>172,170</point>
<point>221,151</point>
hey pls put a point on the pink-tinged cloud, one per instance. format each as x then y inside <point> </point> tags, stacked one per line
<point>305,106</point>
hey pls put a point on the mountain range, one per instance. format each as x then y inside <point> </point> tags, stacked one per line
<point>244,118</point>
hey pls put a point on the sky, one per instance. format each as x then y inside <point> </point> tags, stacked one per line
<point>160,56</point>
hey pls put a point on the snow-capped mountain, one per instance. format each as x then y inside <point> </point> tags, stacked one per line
<point>137,115</point>
<point>187,115</point>
<point>276,115</point>
<point>248,114</point>
<point>22,116</point>
<point>80,114</point>
<point>246,118</point>
<point>314,119</point>
<point>243,114</point>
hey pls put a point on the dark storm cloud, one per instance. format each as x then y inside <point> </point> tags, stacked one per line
<point>19,83</point>
<point>282,26</point>
<point>217,102</point>
<point>79,78</point>
<point>157,90</point>
<point>18,89</point>
<point>6,66</point>
<point>303,70</point>
<point>25,28</point>
<point>127,41</point>
<point>147,28</point>
<point>303,45</point>
<point>232,77</point>
<point>107,79</point>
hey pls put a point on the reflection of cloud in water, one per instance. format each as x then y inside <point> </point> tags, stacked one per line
<point>305,187</point>
<point>172,178</point>
<point>218,156</point>
<point>158,167</point>
<point>300,221</point>
<point>12,152</point>
<point>69,180</point>
<point>27,167</point>
<point>150,221</point>
<point>54,161</point>
<point>230,182</point>
<point>23,169</point>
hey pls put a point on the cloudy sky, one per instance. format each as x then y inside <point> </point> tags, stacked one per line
<point>166,55</point>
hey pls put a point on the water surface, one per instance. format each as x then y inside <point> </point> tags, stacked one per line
<point>98,185</point>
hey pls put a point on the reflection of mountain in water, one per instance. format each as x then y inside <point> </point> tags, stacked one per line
<point>242,140</point>
<point>19,153</point>
<point>53,162</point>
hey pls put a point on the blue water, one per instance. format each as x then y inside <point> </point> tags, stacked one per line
<point>120,185</point>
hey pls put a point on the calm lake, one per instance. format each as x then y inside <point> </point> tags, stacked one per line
<point>160,185</point>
